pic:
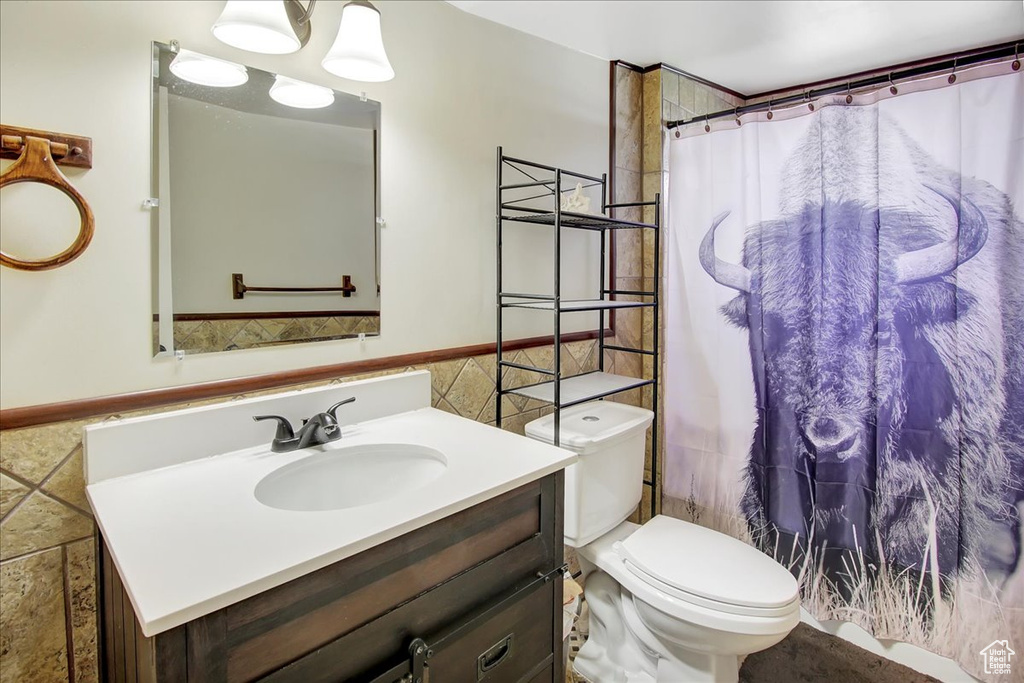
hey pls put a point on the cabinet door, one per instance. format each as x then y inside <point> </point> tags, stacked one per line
<point>515,644</point>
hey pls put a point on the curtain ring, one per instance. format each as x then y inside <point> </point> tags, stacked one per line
<point>678,134</point>
<point>736,113</point>
<point>770,110</point>
<point>952,76</point>
<point>849,97</point>
<point>892,86</point>
<point>707,126</point>
<point>807,99</point>
<point>1015,65</point>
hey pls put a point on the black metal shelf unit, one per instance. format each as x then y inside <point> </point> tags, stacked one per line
<point>565,391</point>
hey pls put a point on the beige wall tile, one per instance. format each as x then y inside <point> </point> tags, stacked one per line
<point>652,121</point>
<point>11,493</point>
<point>32,453</point>
<point>68,482</point>
<point>687,93</point>
<point>670,86</point>
<point>470,390</point>
<point>517,423</point>
<point>442,375</point>
<point>628,119</point>
<point>33,640</point>
<point>446,407</point>
<point>489,411</point>
<point>489,364</point>
<point>41,522</point>
<point>626,189</point>
<point>81,561</point>
<point>651,186</point>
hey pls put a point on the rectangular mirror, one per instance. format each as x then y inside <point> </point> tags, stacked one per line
<point>264,213</point>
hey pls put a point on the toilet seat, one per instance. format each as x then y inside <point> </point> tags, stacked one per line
<point>699,600</point>
<point>605,554</point>
<point>708,568</point>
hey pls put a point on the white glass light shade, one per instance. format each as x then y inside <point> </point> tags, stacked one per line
<point>293,93</point>
<point>358,51</point>
<point>257,26</point>
<point>203,70</point>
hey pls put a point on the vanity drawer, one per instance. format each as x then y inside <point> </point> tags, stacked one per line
<point>508,647</point>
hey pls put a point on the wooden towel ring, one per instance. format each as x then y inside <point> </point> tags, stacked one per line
<point>36,165</point>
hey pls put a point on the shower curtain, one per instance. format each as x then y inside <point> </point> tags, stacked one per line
<point>845,354</point>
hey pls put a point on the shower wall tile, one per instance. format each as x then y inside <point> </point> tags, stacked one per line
<point>669,86</point>
<point>627,189</point>
<point>628,115</point>
<point>687,93</point>
<point>652,121</point>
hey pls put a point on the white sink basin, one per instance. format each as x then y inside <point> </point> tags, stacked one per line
<point>350,476</point>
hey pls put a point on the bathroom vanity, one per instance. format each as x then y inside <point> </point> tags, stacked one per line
<point>457,579</point>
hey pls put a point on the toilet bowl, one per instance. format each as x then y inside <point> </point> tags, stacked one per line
<point>669,601</point>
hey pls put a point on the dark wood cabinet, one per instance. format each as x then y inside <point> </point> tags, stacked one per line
<point>480,591</point>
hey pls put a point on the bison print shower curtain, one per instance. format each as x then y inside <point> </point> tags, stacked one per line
<point>845,353</point>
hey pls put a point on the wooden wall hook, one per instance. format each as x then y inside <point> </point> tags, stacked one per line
<point>36,165</point>
<point>67,150</point>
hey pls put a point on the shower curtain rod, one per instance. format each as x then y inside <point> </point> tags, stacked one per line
<point>951,64</point>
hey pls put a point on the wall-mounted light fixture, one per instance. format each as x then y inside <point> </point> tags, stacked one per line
<point>203,70</point>
<point>283,26</point>
<point>300,94</point>
<point>274,27</point>
<point>358,51</point>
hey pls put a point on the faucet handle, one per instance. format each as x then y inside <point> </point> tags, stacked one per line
<point>284,427</point>
<point>333,410</point>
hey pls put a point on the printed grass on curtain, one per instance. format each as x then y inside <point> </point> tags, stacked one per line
<point>845,355</point>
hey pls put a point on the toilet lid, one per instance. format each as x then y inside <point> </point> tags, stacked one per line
<point>700,562</point>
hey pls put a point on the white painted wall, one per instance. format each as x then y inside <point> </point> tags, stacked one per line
<point>463,86</point>
<point>287,203</point>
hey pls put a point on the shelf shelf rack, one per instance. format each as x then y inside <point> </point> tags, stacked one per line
<point>565,391</point>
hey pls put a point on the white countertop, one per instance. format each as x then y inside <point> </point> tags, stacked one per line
<point>191,538</point>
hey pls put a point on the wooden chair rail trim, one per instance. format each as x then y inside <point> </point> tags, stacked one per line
<point>30,416</point>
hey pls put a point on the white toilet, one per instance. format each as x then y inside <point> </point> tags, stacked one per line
<point>669,601</point>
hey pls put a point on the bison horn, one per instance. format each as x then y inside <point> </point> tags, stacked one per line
<point>945,257</point>
<point>724,273</point>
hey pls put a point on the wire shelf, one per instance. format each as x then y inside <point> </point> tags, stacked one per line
<point>570,219</point>
<point>578,305</point>
<point>581,388</point>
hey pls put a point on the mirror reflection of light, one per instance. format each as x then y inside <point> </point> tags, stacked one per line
<point>299,94</point>
<point>203,70</point>
<point>257,26</point>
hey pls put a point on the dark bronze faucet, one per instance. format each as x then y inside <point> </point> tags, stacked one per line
<point>317,430</point>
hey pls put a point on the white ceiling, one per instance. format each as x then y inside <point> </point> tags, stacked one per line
<point>756,46</point>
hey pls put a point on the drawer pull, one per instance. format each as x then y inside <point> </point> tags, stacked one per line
<point>494,656</point>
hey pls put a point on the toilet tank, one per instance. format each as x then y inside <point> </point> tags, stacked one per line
<point>605,485</point>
